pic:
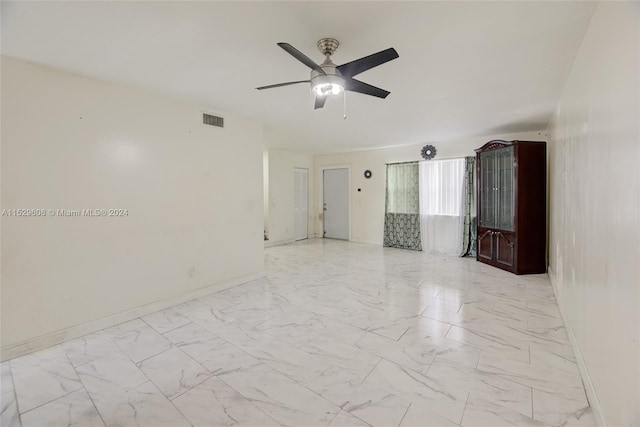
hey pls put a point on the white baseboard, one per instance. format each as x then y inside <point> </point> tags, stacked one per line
<point>592,396</point>
<point>272,243</point>
<point>368,242</point>
<point>54,338</point>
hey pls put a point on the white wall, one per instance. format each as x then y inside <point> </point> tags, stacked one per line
<point>193,194</point>
<point>595,210</point>
<point>367,205</point>
<point>280,216</point>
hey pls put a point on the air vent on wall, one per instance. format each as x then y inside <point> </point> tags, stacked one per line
<point>210,120</point>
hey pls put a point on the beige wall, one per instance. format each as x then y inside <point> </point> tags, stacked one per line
<point>279,215</point>
<point>367,205</point>
<point>192,192</point>
<point>595,210</point>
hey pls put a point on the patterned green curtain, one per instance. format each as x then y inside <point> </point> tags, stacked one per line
<point>402,207</point>
<point>469,239</point>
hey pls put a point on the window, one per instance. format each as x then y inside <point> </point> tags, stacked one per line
<point>441,187</point>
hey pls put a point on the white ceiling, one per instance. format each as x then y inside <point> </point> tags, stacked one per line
<point>465,68</point>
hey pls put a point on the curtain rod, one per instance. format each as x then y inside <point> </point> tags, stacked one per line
<point>402,163</point>
<point>418,161</point>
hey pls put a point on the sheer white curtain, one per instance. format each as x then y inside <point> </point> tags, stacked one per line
<point>442,205</point>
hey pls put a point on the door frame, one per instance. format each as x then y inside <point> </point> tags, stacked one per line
<point>321,195</point>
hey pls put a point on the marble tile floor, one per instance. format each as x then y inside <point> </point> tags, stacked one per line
<point>336,334</point>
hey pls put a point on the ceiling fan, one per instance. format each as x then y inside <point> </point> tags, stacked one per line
<point>331,79</point>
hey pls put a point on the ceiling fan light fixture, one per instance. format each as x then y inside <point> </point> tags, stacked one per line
<point>323,89</point>
<point>329,84</point>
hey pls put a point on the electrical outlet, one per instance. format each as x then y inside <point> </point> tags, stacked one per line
<point>192,271</point>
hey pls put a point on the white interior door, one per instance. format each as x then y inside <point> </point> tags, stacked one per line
<point>336,203</point>
<point>301,201</point>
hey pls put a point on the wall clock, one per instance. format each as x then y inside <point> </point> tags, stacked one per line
<point>367,174</point>
<point>428,152</point>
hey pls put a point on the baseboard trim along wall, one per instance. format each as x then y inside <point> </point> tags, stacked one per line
<point>54,338</point>
<point>592,396</point>
<point>368,242</point>
<point>272,243</point>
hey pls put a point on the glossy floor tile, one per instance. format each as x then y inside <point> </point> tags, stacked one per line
<point>336,334</point>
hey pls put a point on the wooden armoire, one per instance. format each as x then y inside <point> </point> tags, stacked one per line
<point>512,205</point>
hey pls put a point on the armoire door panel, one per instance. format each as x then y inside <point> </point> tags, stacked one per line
<point>485,245</point>
<point>505,248</point>
<point>488,186</point>
<point>505,189</point>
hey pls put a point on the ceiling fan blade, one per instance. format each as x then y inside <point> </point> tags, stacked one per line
<point>354,85</point>
<point>301,57</point>
<point>358,66</point>
<point>320,100</point>
<point>283,84</point>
